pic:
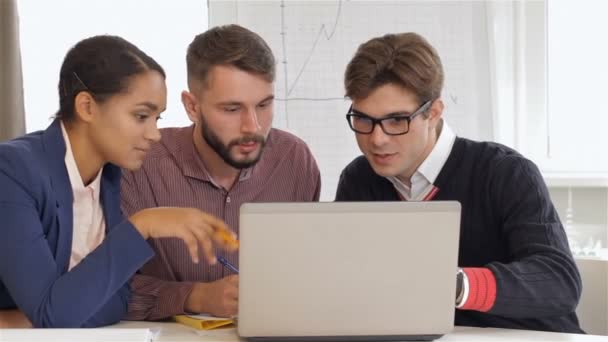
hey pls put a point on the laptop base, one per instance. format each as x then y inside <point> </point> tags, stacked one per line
<point>346,338</point>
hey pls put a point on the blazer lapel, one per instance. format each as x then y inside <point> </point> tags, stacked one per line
<point>110,195</point>
<point>54,147</point>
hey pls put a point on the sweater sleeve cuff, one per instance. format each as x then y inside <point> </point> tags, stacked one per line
<point>482,289</point>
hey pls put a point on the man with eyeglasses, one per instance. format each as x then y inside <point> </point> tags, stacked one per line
<point>516,269</point>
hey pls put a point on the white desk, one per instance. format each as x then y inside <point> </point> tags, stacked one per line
<point>178,332</point>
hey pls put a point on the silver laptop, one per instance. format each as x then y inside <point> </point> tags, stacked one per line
<point>348,271</point>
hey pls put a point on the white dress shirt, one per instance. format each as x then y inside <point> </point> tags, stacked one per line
<point>422,180</point>
<point>89,223</point>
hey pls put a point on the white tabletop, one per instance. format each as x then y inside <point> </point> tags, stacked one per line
<point>178,332</point>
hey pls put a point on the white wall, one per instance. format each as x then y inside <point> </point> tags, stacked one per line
<point>163,29</point>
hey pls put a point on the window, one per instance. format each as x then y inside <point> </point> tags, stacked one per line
<point>548,79</point>
<point>162,29</point>
<point>570,135</point>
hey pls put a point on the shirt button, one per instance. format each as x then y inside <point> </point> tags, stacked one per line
<point>228,199</point>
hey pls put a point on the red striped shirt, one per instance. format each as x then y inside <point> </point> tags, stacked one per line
<point>173,174</point>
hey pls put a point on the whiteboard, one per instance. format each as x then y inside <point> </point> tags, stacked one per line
<point>314,40</point>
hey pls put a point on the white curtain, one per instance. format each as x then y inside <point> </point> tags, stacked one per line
<point>517,49</point>
<point>12,114</point>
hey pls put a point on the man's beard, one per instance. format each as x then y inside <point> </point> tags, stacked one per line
<point>224,150</point>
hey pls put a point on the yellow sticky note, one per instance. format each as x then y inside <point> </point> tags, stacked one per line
<point>204,322</point>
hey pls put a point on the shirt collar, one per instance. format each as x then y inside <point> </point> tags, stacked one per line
<point>427,172</point>
<point>434,162</point>
<point>72,168</point>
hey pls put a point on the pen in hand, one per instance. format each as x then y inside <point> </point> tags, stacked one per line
<point>228,265</point>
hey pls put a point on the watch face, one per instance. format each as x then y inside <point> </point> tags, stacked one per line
<point>459,287</point>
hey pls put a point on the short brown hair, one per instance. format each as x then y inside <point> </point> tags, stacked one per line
<point>231,45</point>
<point>405,59</point>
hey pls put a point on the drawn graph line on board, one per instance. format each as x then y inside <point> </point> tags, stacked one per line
<point>322,32</point>
<point>284,61</point>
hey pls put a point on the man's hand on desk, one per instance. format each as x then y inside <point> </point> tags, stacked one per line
<point>13,319</point>
<point>218,298</point>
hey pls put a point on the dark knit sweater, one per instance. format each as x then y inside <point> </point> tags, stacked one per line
<point>508,224</point>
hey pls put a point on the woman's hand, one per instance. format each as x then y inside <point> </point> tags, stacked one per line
<point>13,319</point>
<point>191,225</point>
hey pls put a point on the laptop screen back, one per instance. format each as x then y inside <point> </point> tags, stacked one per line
<point>347,269</point>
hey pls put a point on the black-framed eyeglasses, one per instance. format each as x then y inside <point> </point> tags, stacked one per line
<point>392,124</point>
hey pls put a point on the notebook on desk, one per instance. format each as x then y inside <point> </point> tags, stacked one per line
<point>61,335</point>
<point>348,271</point>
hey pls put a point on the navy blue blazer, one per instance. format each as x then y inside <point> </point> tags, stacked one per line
<point>36,239</point>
